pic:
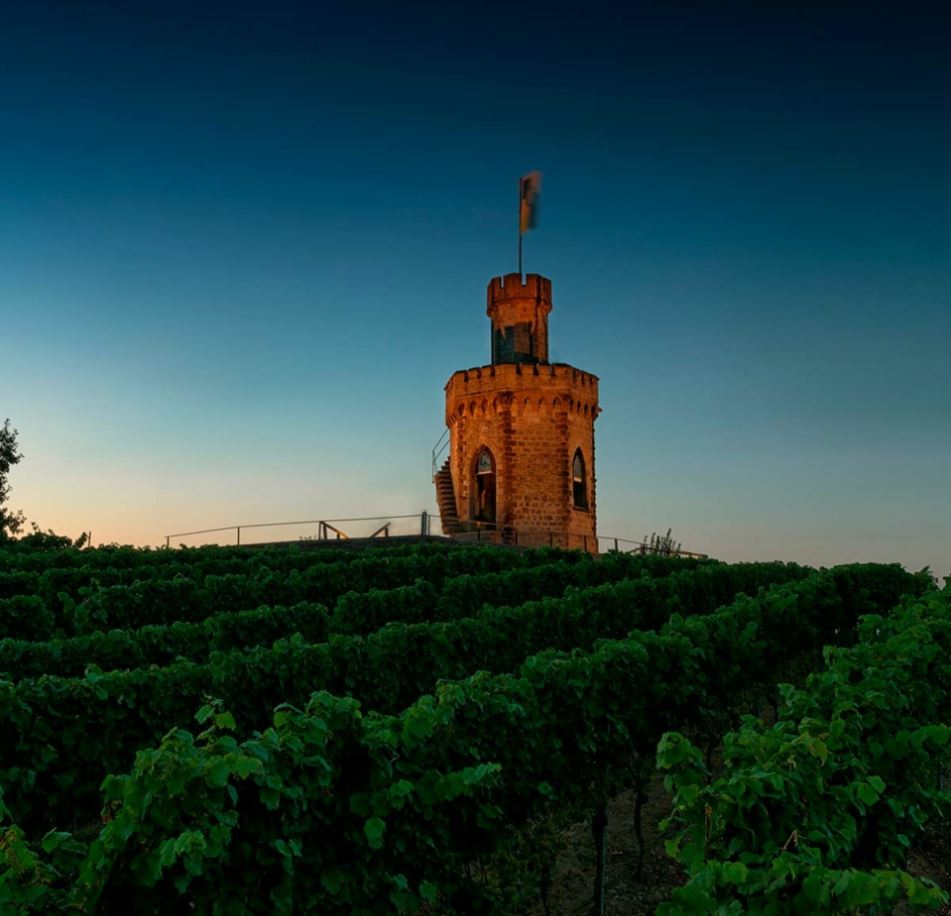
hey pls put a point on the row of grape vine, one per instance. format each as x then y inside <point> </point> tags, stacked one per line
<point>816,812</point>
<point>335,810</point>
<point>59,736</point>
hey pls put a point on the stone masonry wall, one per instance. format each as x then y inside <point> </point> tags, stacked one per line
<point>532,418</point>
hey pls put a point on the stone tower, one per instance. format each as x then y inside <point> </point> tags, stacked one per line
<point>521,433</point>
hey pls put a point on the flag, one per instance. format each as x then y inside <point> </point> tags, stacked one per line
<point>530,187</point>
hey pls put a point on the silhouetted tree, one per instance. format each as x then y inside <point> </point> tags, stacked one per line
<point>10,522</point>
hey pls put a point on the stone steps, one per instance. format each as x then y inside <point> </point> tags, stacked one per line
<point>446,499</point>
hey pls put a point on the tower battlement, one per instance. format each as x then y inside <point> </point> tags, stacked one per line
<point>515,286</point>
<point>499,377</point>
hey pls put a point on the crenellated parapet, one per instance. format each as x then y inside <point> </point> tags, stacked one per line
<point>521,388</point>
<point>519,286</point>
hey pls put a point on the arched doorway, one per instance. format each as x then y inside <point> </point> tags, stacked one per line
<point>484,489</point>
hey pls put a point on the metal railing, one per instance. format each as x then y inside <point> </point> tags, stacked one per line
<point>327,529</point>
<point>442,444</point>
<point>421,525</point>
<point>478,531</point>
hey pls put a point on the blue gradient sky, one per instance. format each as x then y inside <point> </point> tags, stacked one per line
<point>243,248</point>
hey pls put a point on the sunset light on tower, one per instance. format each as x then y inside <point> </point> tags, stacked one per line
<point>521,463</point>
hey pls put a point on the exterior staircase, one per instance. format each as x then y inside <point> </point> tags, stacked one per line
<point>446,500</point>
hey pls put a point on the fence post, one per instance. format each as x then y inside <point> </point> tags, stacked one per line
<point>239,535</point>
<point>424,524</point>
<point>166,541</point>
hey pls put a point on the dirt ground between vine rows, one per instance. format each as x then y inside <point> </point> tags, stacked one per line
<point>573,879</point>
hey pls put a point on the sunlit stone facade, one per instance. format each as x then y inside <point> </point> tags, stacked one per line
<point>521,456</point>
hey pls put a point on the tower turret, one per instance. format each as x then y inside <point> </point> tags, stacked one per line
<point>518,309</point>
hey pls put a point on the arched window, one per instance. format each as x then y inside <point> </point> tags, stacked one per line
<point>579,481</point>
<point>483,492</point>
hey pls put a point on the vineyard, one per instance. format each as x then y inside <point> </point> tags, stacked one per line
<point>412,729</point>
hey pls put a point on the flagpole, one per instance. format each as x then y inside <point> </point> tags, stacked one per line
<point>519,213</point>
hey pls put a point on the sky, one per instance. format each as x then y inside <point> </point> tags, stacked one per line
<point>243,247</point>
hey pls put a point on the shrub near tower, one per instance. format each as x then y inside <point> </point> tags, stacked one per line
<point>521,461</point>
